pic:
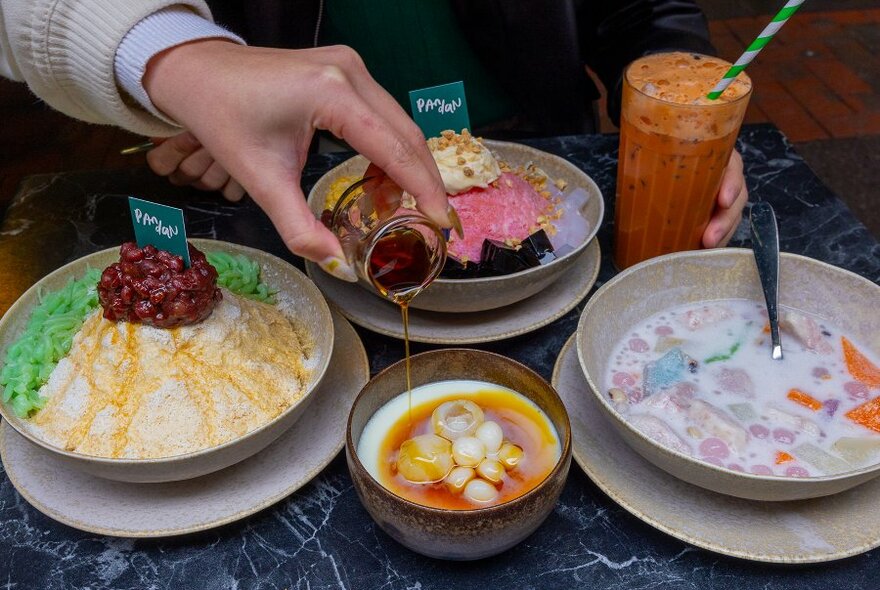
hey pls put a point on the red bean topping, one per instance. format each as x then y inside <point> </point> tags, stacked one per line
<point>152,287</point>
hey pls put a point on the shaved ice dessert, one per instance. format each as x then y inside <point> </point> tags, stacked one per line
<point>151,359</point>
<point>514,217</point>
<point>506,211</point>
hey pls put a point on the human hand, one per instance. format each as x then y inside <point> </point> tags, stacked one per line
<point>732,197</point>
<point>255,110</point>
<point>185,162</point>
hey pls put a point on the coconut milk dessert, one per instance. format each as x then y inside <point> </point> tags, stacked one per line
<point>699,379</point>
<point>468,444</point>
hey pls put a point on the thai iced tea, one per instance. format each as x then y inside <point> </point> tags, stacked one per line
<point>674,146</point>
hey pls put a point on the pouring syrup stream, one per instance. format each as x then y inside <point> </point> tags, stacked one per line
<point>400,267</point>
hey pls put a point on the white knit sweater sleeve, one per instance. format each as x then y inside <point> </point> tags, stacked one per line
<point>161,30</point>
<point>65,51</point>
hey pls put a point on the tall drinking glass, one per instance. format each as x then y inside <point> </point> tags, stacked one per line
<point>674,147</point>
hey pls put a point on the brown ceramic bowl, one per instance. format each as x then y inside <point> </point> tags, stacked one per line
<point>845,299</point>
<point>314,314</point>
<point>457,534</point>
<point>471,295</point>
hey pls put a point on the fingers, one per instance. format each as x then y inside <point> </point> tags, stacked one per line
<point>280,196</point>
<point>726,239</point>
<point>728,210</point>
<point>721,227</point>
<point>233,191</point>
<point>375,125</point>
<point>351,118</point>
<point>374,95</point>
<point>214,178</point>
<point>200,170</point>
<point>192,168</point>
<point>166,157</point>
<point>732,182</point>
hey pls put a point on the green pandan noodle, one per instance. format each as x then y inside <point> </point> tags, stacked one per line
<point>241,275</point>
<point>59,315</point>
<point>724,356</point>
<point>46,340</point>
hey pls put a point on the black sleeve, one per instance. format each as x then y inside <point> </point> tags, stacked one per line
<point>612,33</point>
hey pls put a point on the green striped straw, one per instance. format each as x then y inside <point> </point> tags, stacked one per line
<point>757,45</point>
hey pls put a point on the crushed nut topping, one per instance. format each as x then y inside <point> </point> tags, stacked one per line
<point>513,243</point>
<point>463,142</point>
<point>408,201</point>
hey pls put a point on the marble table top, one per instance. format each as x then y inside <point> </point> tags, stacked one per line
<point>321,537</point>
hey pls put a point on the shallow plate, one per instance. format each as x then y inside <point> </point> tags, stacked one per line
<point>164,509</point>
<point>806,531</point>
<point>432,327</point>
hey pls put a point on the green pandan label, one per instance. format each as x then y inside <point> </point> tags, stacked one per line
<point>160,226</point>
<point>441,107</point>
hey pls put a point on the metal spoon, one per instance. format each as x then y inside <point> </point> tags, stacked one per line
<point>765,245</point>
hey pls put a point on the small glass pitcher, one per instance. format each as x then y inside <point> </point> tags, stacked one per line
<point>390,244</point>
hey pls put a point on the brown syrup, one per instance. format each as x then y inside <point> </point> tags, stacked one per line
<point>521,424</point>
<point>400,267</point>
<point>400,264</point>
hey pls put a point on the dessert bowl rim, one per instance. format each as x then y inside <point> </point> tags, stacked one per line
<point>202,243</point>
<point>559,465</point>
<point>596,301</point>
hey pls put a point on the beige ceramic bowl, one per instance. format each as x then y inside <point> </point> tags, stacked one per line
<point>313,313</point>
<point>466,295</point>
<point>845,299</point>
<point>458,534</point>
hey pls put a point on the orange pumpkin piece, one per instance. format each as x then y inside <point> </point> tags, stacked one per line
<point>867,414</point>
<point>859,366</point>
<point>804,399</point>
<point>783,457</point>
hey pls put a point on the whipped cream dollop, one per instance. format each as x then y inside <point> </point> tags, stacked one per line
<point>463,160</point>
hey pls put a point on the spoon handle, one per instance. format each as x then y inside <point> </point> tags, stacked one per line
<point>765,245</point>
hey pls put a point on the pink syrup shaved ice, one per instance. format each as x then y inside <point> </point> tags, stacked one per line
<point>508,211</point>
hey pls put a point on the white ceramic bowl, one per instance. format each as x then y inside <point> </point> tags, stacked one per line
<point>468,295</point>
<point>845,299</point>
<point>312,310</point>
